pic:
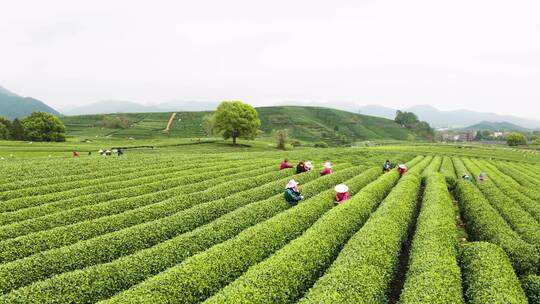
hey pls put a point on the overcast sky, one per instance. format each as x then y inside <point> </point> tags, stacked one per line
<point>474,54</point>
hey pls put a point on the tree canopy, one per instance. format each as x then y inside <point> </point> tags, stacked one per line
<point>410,121</point>
<point>41,126</point>
<point>516,139</point>
<point>236,119</point>
<point>5,126</point>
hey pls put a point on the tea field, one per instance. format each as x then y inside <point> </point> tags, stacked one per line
<point>207,223</point>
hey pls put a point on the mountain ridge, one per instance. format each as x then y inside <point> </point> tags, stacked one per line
<point>13,105</point>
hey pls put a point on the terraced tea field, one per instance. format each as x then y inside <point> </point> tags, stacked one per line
<point>215,228</point>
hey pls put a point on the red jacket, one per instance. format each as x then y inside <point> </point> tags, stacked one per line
<point>284,165</point>
<point>326,171</point>
<point>341,197</point>
<point>402,171</point>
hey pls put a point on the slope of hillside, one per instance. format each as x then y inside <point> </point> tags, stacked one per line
<point>304,123</point>
<point>451,119</point>
<point>13,105</point>
<point>497,126</point>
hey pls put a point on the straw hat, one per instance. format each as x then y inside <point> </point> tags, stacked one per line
<point>309,164</point>
<point>341,188</point>
<point>327,165</point>
<point>291,184</point>
<point>402,166</point>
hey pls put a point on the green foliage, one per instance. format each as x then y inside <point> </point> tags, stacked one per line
<point>41,126</point>
<point>537,141</point>
<point>300,262</point>
<point>520,220</point>
<point>488,275</point>
<point>364,268</point>
<point>17,131</point>
<point>433,274</point>
<point>120,121</point>
<point>410,121</point>
<point>531,285</point>
<point>236,119</point>
<point>320,144</point>
<point>516,139</point>
<point>79,230</point>
<point>484,223</point>
<point>202,275</point>
<point>208,124</point>
<point>4,131</point>
<point>281,138</point>
<point>447,170</point>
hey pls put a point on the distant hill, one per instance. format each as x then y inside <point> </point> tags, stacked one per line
<point>451,119</point>
<point>121,106</point>
<point>111,106</point>
<point>305,123</point>
<point>13,105</point>
<point>497,126</point>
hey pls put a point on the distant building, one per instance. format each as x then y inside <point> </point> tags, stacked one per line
<point>498,134</point>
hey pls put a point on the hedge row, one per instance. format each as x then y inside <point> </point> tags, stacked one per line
<point>485,224</point>
<point>521,180</point>
<point>514,190</point>
<point>303,260</point>
<point>104,193</point>
<point>520,220</point>
<point>447,170</point>
<point>108,247</point>
<point>20,247</point>
<point>531,285</point>
<point>26,202</point>
<point>202,275</point>
<point>173,190</point>
<point>433,167</point>
<point>434,275</point>
<point>86,185</point>
<point>488,275</point>
<point>101,281</point>
<point>364,269</point>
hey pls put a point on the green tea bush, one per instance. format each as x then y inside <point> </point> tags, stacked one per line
<point>301,262</point>
<point>433,274</point>
<point>488,275</point>
<point>363,270</point>
<point>202,275</point>
<point>485,224</point>
<point>100,281</point>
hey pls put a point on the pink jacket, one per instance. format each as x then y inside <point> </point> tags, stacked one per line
<point>341,197</point>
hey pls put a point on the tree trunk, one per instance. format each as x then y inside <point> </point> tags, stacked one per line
<point>234,140</point>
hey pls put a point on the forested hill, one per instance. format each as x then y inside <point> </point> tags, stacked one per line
<point>314,124</point>
<point>13,105</point>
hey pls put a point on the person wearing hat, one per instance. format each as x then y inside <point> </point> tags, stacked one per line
<point>301,167</point>
<point>327,168</point>
<point>482,177</point>
<point>309,165</point>
<point>466,177</point>
<point>292,193</point>
<point>342,193</point>
<point>402,169</point>
<point>285,165</point>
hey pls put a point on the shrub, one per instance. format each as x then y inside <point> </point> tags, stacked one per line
<point>300,262</point>
<point>202,275</point>
<point>488,275</point>
<point>485,224</point>
<point>433,274</point>
<point>320,144</point>
<point>363,270</point>
<point>531,285</point>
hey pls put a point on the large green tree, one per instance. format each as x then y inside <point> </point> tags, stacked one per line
<point>516,139</point>
<point>41,126</point>
<point>236,119</point>
<point>17,131</point>
<point>5,126</point>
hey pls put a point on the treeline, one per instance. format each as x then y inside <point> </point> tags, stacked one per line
<point>410,121</point>
<point>39,126</point>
